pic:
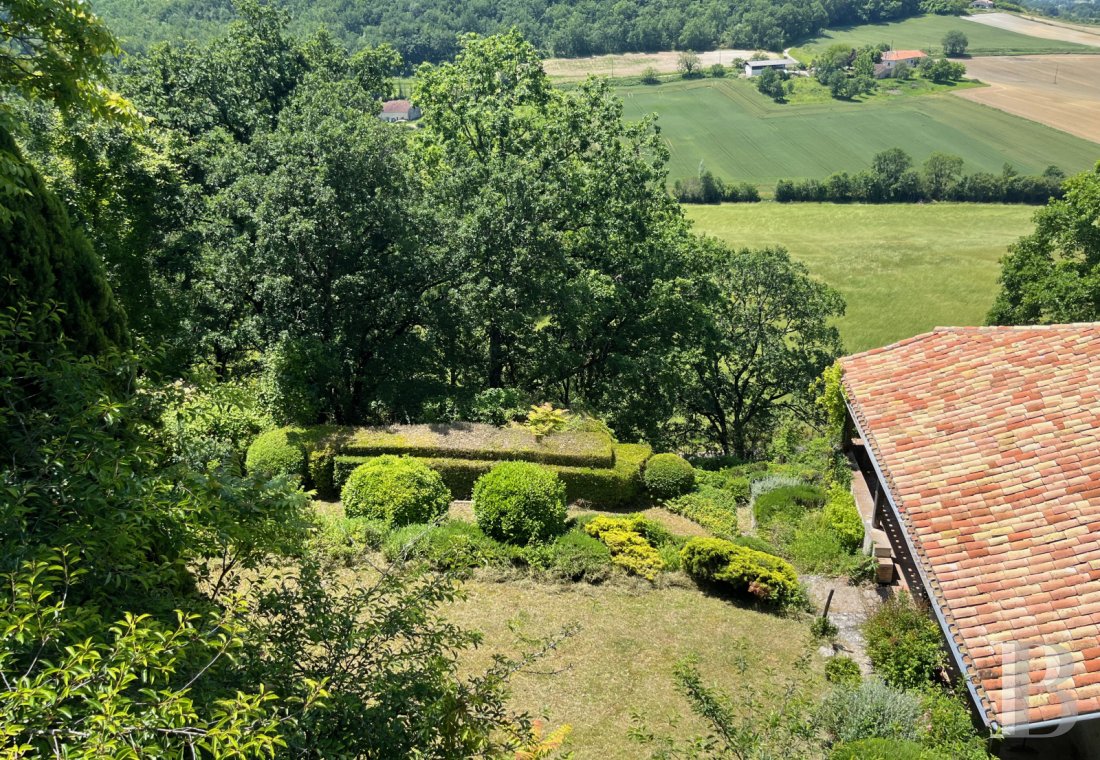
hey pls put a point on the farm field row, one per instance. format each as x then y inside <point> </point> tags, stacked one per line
<point>1061,91</point>
<point>903,269</point>
<point>739,134</point>
<point>926,33</point>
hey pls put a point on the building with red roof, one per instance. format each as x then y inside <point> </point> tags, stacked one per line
<point>980,450</point>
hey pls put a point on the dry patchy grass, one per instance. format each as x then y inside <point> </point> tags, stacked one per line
<point>620,661</point>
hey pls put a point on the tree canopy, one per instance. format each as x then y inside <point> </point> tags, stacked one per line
<point>1053,274</point>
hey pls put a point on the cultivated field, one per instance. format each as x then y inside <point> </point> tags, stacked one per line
<point>1061,91</point>
<point>620,661</point>
<point>903,269</point>
<point>1034,27</point>
<point>739,134</point>
<point>926,33</point>
<point>634,64</point>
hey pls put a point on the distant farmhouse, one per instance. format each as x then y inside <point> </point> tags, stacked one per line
<point>977,454</point>
<point>756,68</point>
<point>891,59</point>
<point>399,110</point>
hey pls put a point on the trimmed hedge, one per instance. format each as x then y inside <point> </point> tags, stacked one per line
<point>668,476</point>
<point>520,503</point>
<point>610,487</point>
<point>477,441</point>
<point>744,571</point>
<point>399,490</point>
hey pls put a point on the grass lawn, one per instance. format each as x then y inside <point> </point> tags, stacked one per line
<point>742,135</point>
<point>621,660</point>
<point>926,33</point>
<point>903,269</point>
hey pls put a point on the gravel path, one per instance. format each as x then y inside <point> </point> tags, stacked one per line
<point>850,608</point>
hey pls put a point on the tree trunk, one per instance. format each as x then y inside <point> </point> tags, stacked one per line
<point>496,362</point>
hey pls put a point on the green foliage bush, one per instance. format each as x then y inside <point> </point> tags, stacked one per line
<point>712,508</point>
<point>871,710</point>
<point>520,503</point>
<point>814,547</point>
<point>843,518</point>
<point>274,454</point>
<point>904,643</point>
<point>950,728</point>
<point>744,571</point>
<point>573,556</point>
<point>209,424</point>
<point>397,490</point>
<point>787,503</point>
<point>346,541</point>
<point>842,670</point>
<point>668,476</point>
<point>884,749</point>
<point>453,545</point>
<point>499,406</point>
<point>631,541</point>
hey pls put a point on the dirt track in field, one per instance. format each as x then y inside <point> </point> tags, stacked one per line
<point>1061,91</point>
<point>1043,28</point>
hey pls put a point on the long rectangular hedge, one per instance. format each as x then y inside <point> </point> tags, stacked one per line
<point>612,486</point>
<point>468,440</point>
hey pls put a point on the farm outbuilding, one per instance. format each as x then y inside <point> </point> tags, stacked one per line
<point>756,68</point>
<point>399,110</point>
<point>979,451</point>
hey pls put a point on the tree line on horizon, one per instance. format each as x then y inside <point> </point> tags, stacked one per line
<point>429,31</point>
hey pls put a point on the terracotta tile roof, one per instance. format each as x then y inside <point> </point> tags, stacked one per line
<point>989,439</point>
<point>903,55</point>
<point>396,106</point>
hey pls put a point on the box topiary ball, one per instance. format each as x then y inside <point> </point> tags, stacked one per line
<point>398,490</point>
<point>668,476</point>
<point>520,502</point>
<point>273,454</point>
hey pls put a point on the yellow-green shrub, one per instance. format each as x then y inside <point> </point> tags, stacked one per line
<point>742,570</point>
<point>629,548</point>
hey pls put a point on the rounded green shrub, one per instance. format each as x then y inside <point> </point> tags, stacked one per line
<point>668,476</point>
<point>842,670</point>
<point>398,490</point>
<point>520,502</point>
<point>274,453</point>
<point>903,642</point>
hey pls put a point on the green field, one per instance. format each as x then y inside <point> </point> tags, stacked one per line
<point>926,33</point>
<point>903,269</point>
<point>740,134</point>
